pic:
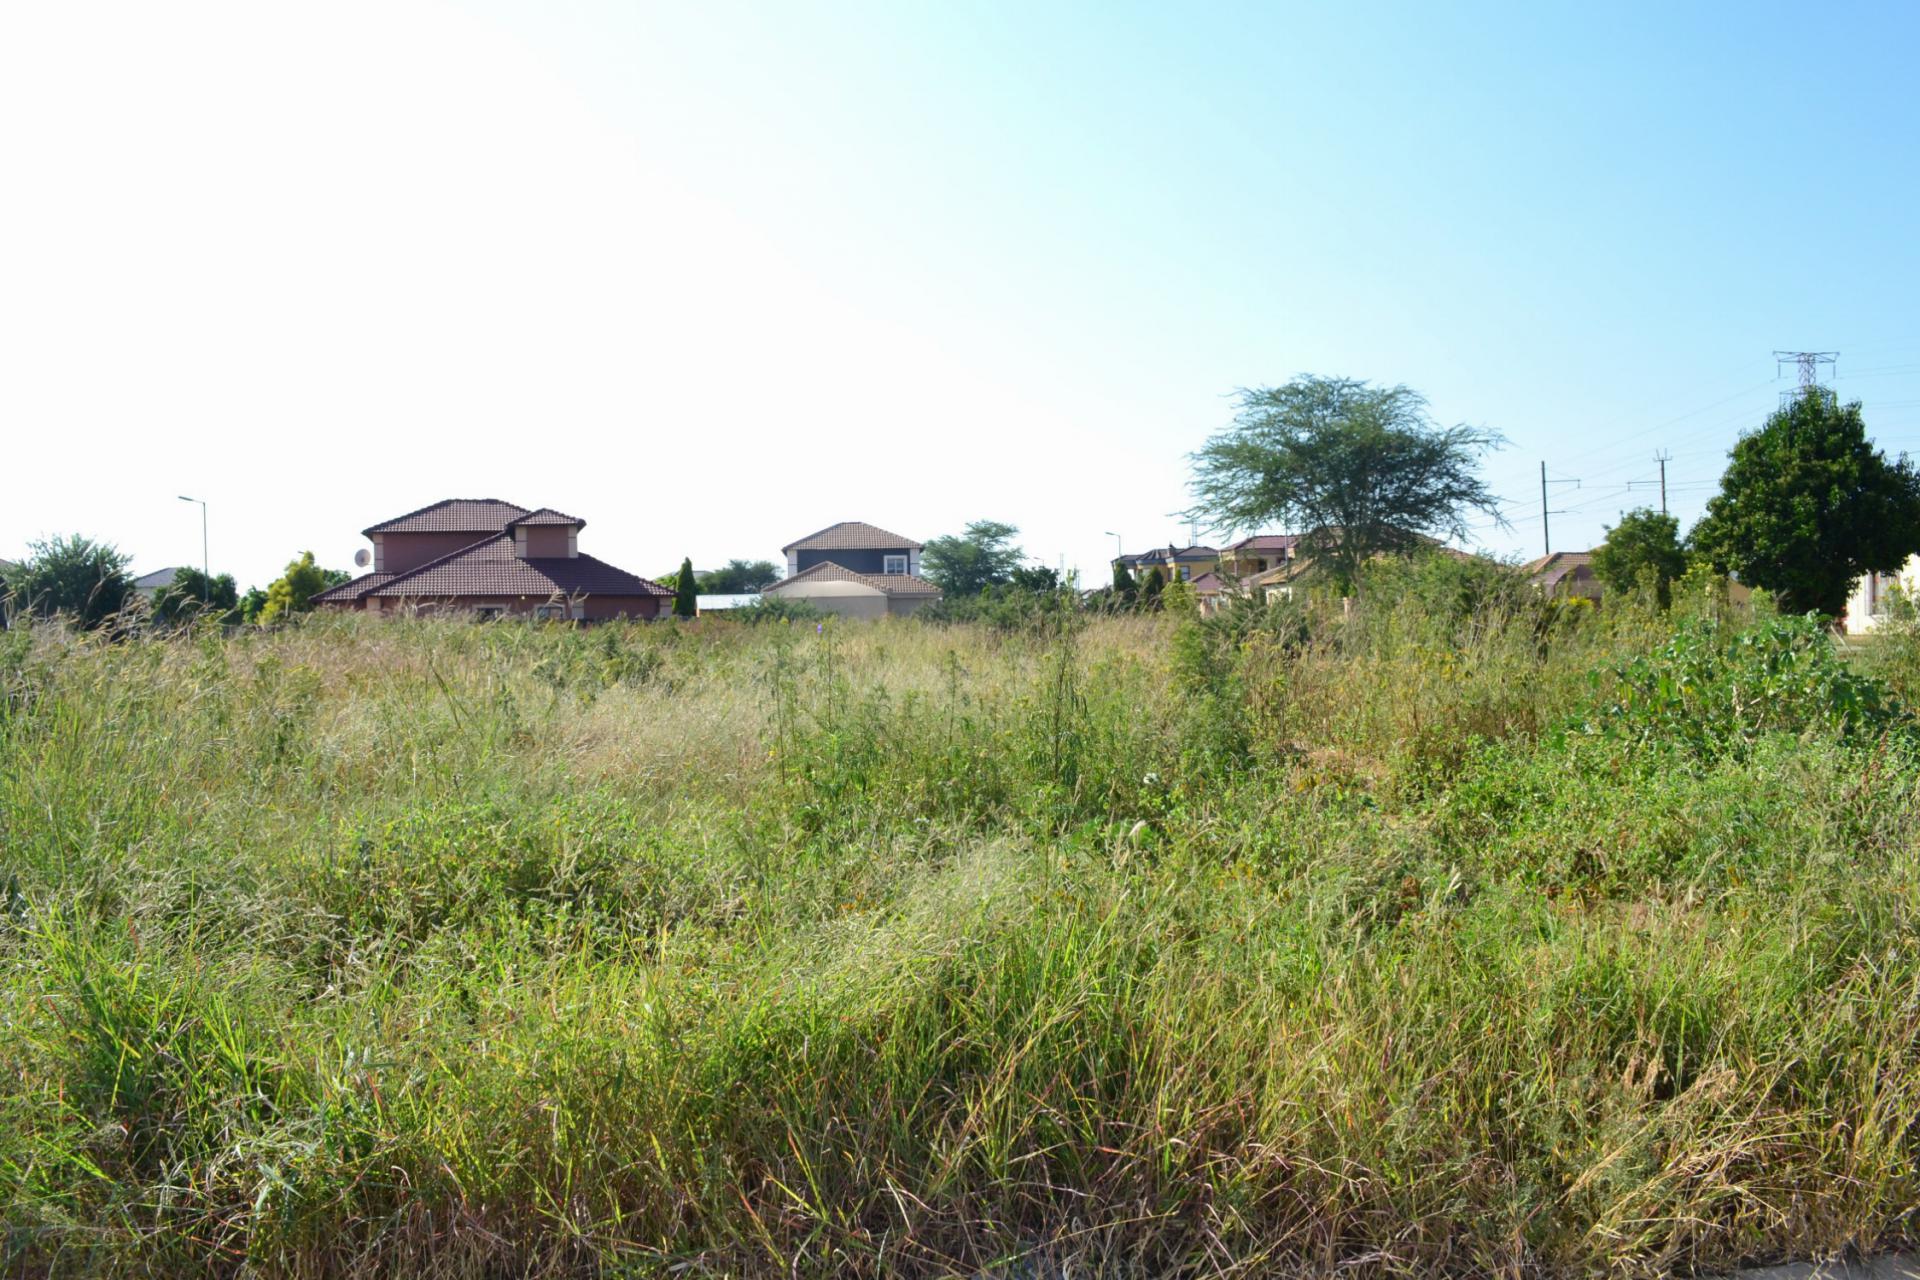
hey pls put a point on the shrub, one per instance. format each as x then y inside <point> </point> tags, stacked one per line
<point>1714,688</point>
<point>774,609</point>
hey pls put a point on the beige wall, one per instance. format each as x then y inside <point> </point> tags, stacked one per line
<point>847,599</point>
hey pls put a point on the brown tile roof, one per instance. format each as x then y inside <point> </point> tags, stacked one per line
<point>353,590</point>
<point>547,515</point>
<point>892,584</point>
<point>851,535</point>
<point>1209,584</point>
<point>490,568</point>
<point>1551,570</point>
<point>1265,542</point>
<point>453,515</point>
<point>1160,555</point>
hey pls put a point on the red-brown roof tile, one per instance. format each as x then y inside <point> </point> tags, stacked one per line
<point>353,590</point>
<point>851,535</point>
<point>490,568</point>
<point>453,515</point>
<point>547,515</point>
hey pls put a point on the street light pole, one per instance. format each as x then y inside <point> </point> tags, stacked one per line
<point>1117,552</point>
<point>206,566</point>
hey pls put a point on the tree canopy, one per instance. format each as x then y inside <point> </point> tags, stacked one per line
<point>191,596</point>
<point>739,577</point>
<point>294,591</point>
<point>1807,505</point>
<point>75,577</point>
<point>966,564</point>
<point>1644,546</point>
<point>1359,470</point>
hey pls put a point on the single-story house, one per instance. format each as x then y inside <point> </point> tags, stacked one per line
<point>149,585</point>
<point>491,558</point>
<point>1867,607</point>
<point>856,570</point>
<point>1565,573</point>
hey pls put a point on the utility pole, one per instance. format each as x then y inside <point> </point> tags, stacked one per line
<point>206,566</point>
<point>1662,458</point>
<point>1546,535</point>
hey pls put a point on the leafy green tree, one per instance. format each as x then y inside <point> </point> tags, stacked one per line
<point>74,577</point>
<point>1034,577</point>
<point>294,591</point>
<point>252,603</point>
<point>1807,505</point>
<point>1180,598</point>
<point>686,601</point>
<point>739,577</point>
<point>1644,546</point>
<point>966,564</point>
<point>191,596</point>
<point>1124,587</point>
<point>1156,582</point>
<point>1361,470</point>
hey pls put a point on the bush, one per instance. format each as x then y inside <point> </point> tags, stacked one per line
<point>773,609</point>
<point>1004,608</point>
<point>1715,688</point>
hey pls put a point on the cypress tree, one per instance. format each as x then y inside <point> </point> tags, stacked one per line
<point>1124,587</point>
<point>1150,590</point>
<point>685,591</point>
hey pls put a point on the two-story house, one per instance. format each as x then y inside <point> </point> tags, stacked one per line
<point>856,570</point>
<point>492,558</point>
<point>1181,563</point>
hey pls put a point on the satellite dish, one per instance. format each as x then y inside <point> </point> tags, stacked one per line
<point>361,558</point>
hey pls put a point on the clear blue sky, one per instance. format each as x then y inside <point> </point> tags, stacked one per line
<point>714,275</point>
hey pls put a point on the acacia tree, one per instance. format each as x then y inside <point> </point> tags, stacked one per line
<point>1360,470</point>
<point>1645,544</point>
<point>967,564</point>
<point>1807,505</point>
<point>74,577</point>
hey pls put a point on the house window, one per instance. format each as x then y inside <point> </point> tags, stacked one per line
<point>549,612</point>
<point>1185,572</point>
<point>893,564</point>
<point>488,612</point>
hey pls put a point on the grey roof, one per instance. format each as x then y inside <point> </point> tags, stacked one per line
<point>155,580</point>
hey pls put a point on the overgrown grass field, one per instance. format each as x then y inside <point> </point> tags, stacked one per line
<point>1464,935</point>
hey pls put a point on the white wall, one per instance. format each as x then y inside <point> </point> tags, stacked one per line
<point>1869,595</point>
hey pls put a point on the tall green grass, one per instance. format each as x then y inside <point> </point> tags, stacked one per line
<point>1442,938</point>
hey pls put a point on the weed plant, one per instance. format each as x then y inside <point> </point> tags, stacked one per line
<point>1461,933</point>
